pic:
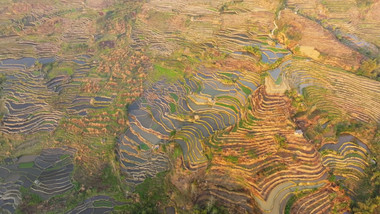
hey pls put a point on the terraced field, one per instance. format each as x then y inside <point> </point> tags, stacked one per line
<point>196,106</point>
<point>26,103</point>
<point>36,101</point>
<point>44,175</point>
<point>315,202</point>
<point>250,170</point>
<point>166,106</point>
<point>334,90</point>
<point>96,204</point>
<point>348,158</point>
<point>261,164</point>
<point>185,112</point>
<point>343,17</point>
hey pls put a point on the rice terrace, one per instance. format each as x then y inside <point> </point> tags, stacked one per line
<point>179,106</point>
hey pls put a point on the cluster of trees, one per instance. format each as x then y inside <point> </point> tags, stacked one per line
<point>370,68</point>
<point>367,199</point>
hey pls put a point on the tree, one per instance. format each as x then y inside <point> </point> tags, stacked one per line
<point>370,206</point>
<point>367,67</point>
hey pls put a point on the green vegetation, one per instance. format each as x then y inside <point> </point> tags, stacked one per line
<point>231,158</point>
<point>175,97</point>
<point>272,168</point>
<point>2,79</point>
<point>93,135</point>
<point>298,102</point>
<point>173,133</point>
<point>294,198</point>
<point>289,204</point>
<point>290,31</point>
<point>250,135</point>
<point>353,155</point>
<point>177,152</point>
<point>281,140</point>
<point>263,75</point>
<point>246,90</point>
<point>326,152</point>
<point>26,165</point>
<point>74,48</point>
<point>332,178</point>
<point>235,128</point>
<point>152,191</point>
<point>279,80</point>
<point>143,146</point>
<point>371,205</point>
<point>252,153</point>
<point>64,156</point>
<point>224,7</point>
<point>228,75</point>
<point>162,73</point>
<point>228,106</point>
<point>211,208</point>
<point>369,68</point>
<point>253,50</point>
<point>173,108</point>
<point>29,197</point>
<point>278,50</point>
<point>110,180</point>
<point>228,98</point>
<point>315,113</point>
<point>347,127</point>
<point>102,203</point>
<point>251,117</point>
<point>368,187</point>
<point>364,3</point>
<point>55,70</point>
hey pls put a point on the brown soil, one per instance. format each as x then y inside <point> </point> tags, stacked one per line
<point>313,35</point>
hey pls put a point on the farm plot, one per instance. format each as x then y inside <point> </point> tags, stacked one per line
<point>261,162</point>
<point>96,204</point>
<point>347,158</point>
<point>45,175</point>
<point>26,98</point>
<point>38,92</point>
<point>186,112</point>
<point>334,90</point>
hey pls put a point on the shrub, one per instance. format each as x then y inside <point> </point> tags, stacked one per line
<point>2,78</point>
<point>367,67</point>
<point>289,204</point>
<point>281,140</point>
<point>173,133</point>
<point>152,192</point>
<point>346,127</point>
<point>29,197</point>
<point>332,178</point>
<point>291,32</point>
<point>231,158</point>
<point>253,50</point>
<point>262,76</point>
<point>177,152</point>
<point>143,146</point>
